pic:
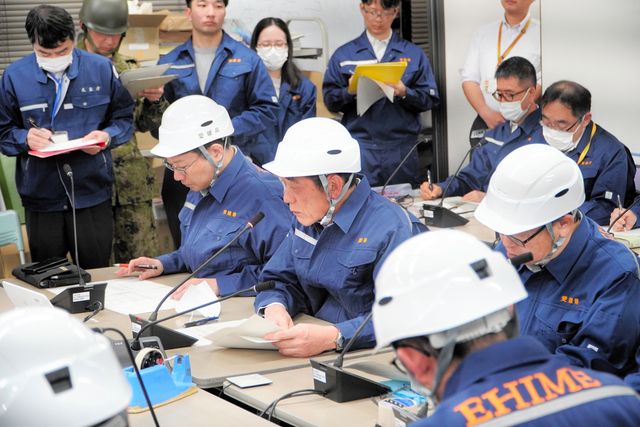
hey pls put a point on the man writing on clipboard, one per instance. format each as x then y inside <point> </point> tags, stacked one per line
<point>517,34</point>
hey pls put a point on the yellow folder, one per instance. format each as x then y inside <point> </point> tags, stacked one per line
<point>385,72</point>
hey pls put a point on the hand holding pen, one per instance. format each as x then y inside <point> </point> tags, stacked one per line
<point>621,208</point>
<point>149,267</point>
<point>38,138</point>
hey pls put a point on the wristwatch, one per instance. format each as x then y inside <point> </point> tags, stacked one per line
<point>339,342</point>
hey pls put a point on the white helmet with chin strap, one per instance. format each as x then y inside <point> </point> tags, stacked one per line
<point>190,123</point>
<point>448,286</point>
<point>532,187</point>
<point>57,372</point>
<point>317,147</point>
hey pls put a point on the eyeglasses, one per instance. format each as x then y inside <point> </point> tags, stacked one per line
<point>266,45</point>
<point>175,168</point>
<point>380,15</point>
<point>508,97</point>
<point>522,243</point>
<point>542,123</point>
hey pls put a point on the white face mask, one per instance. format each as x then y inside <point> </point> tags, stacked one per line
<point>273,57</point>
<point>563,141</point>
<point>513,110</point>
<point>55,65</point>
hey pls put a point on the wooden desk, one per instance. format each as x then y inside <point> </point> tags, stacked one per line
<point>312,410</point>
<point>199,410</point>
<point>210,365</point>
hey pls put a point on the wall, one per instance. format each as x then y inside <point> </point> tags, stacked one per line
<point>462,18</point>
<point>599,48</point>
<point>342,18</point>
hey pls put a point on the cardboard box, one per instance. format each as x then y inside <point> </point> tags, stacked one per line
<point>142,41</point>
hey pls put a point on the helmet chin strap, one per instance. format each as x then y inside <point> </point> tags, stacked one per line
<point>555,246</point>
<point>216,166</point>
<point>444,361</point>
<point>328,217</point>
<point>95,49</point>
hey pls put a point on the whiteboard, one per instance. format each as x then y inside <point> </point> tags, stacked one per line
<point>342,18</point>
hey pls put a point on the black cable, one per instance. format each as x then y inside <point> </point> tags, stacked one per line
<point>622,214</point>
<point>135,368</point>
<point>224,388</point>
<point>298,393</point>
<point>402,163</point>
<point>98,305</point>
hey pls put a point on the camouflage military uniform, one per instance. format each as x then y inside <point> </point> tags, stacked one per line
<point>134,184</point>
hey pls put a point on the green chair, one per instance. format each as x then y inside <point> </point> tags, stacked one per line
<point>11,233</point>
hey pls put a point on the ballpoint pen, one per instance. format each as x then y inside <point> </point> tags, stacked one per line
<point>146,267</point>
<point>429,180</point>
<point>621,208</point>
<point>35,125</point>
<point>200,322</point>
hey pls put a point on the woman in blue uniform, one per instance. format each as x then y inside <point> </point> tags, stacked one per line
<point>296,94</point>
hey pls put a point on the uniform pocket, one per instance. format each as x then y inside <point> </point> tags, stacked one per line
<point>355,281</point>
<point>558,326</point>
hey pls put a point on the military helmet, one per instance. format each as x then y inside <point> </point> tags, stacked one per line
<point>110,17</point>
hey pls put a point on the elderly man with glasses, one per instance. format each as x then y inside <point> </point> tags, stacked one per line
<point>516,93</point>
<point>606,164</point>
<point>583,285</point>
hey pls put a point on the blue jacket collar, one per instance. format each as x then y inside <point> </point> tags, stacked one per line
<point>353,205</point>
<point>489,361</point>
<point>227,177</point>
<point>362,43</point>
<point>226,43</point>
<point>72,71</point>
<point>561,266</point>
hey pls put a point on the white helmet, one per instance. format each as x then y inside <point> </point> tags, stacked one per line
<point>189,123</point>
<point>315,146</point>
<point>443,281</point>
<point>55,371</point>
<point>533,186</point>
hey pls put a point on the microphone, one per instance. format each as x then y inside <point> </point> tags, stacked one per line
<point>518,260</point>
<point>400,165</point>
<point>252,223</point>
<point>438,215</point>
<point>83,297</point>
<point>260,287</point>
<point>343,386</point>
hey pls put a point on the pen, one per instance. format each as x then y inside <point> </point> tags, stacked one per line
<point>200,322</point>
<point>621,208</point>
<point>35,125</point>
<point>147,267</point>
<point>429,180</point>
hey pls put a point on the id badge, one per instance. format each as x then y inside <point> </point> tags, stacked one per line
<point>60,136</point>
<point>490,85</point>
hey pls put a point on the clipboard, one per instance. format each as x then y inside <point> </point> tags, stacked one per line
<point>138,79</point>
<point>385,72</point>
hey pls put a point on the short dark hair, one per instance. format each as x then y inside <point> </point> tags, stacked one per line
<point>290,72</point>
<point>226,3</point>
<point>519,68</point>
<point>49,26</point>
<point>386,4</point>
<point>344,176</point>
<point>571,95</point>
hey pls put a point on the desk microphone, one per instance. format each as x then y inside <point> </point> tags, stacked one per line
<point>400,165</point>
<point>343,386</point>
<point>81,298</point>
<point>438,215</point>
<point>260,287</point>
<point>252,223</point>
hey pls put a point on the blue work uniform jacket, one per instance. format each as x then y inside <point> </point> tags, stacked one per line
<point>496,144</point>
<point>328,272</point>
<point>238,80</point>
<point>388,130</point>
<point>530,387</point>
<point>608,170</point>
<point>295,105</point>
<point>95,100</point>
<point>208,223</point>
<point>585,304</point>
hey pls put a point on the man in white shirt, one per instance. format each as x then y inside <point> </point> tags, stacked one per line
<point>516,34</point>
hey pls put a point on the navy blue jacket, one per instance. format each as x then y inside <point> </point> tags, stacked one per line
<point>95,100</point>
<point>387,127</point>
<point>328,272</point>
<point>518,382</point>
<point>238,80</point>
<point>585,304</point>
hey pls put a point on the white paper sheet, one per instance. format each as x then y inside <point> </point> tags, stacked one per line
<point>198,295</point>
<point>248,334</point>
<point>369,92</point>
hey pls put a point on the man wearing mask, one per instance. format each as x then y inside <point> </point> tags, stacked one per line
<point>606,164</point>
<point>62,89</point>
<point>104,23</point>
<point>211,63</point>
<point>516,93</point>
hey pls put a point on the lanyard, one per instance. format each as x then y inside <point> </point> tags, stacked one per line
<point>506,52</point>
<point>586,150</point>
<point>58,100</point>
